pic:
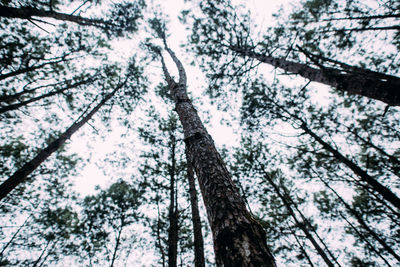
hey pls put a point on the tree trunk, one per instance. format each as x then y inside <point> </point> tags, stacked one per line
<point>238,239</point>
<point>20,175</point>
<point>173,211</point>
<point>372,247</point>
<point>302,225</point>
<point>308,224</point>
<point>363,224</point>
<point>158,231</point>
<point>14,236</point>
<point>302,249</point>
<point>199,260</point>
<point>29,12</point>
<point>117,242</point>
<point>378,187</point>
<point>363,82</point>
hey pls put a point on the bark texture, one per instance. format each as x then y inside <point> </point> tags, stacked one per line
<point>20,175</point>
<point>385,88</point>
<point>239,240</point>
<point>199,260</point>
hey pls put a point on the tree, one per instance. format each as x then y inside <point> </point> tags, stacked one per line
<point>164,168</point>
<point>20,175</point>
<point>197,234</point>
<point>222,32</point>
<point>106,218</point>
<point>238,238</point>
<point>122,18</point>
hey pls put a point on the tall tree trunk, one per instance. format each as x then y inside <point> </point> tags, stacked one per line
<point>30,12</point>
<point>20,175</point>
<point>158,232</point>
<point>14,236</point>
<point>199,260</point>
<point>302,249</point>
<point>385,192</point>
<point>173,210</point>
<point>117,242</point>
<point>41,254</point>
<point>302,225</point>
<point>238,239</point>
<point>363,223</point>
<point>362,236</point>
<point>308,224</point>
<point>363,82</point>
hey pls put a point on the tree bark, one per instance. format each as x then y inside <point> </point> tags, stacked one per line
<point>238,239</point>
<point>363,82</point>
<point>199,260</point>
<point>30,12</point>
<point>20,175</point>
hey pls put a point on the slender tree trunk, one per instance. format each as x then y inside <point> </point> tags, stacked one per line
<point>117,242</point>
<point>391,158</point>
<point>361,83</point>
<point>238,239</point>
<point>363,224</point>
<point>302,249</point>
<point>41,254</point>
<point>362,29</point>
<point>199,260</point>
<point>158,230</point>
<point>378,187</point>
<point>173,211</point>
<point>308,224</point>
<point>14,236</point>
<point>20,175</point>
<point>30,12</point>
<point>302,225</point>
<point>372,247</point>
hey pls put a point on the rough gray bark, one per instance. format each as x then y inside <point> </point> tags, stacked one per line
<point>385,88</point>
<point>199,260</point>
<point>20,175</point>
<point>239,240</point>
